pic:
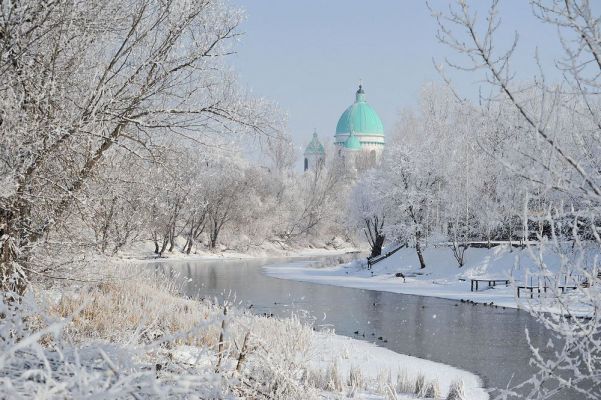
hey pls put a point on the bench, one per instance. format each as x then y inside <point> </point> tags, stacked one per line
<point>491,282</point>
<point>531,288</point>
<point>547,284</point>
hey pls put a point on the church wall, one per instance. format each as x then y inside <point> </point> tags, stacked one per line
<point>311,161</point>
<point>366,140</point>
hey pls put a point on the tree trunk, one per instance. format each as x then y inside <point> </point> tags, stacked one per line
<point>13,279</point>
<point>418,249</point>
<point>156,243</point>
<point>189,239</point>
<point>510,235</point>
<point>373,233</point>
<point>13,223</point>
<point>376,249</point>
<point>171,240</point>
<point>164,246</point>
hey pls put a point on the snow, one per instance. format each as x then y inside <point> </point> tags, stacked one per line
<point>372,360</point>
<point>441,277</point>
<point>144,252</point>
<point>328,349</point>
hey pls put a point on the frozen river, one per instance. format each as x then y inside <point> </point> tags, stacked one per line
<point>489,342</point>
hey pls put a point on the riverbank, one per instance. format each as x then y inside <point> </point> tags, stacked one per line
<point>383,369</point>
<point>137,335</point>
<point>400,273</point>
<point>144,252</point>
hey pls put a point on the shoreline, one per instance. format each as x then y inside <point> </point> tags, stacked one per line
<point>370,357</point>
<point>443,281</point>
<point>373,359</point>
<point>178,256</point>
<point>387,283</point>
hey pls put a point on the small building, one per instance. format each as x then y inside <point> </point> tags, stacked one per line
<point>314,153</point>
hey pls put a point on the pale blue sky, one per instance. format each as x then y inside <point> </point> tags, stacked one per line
<point>309,55</point>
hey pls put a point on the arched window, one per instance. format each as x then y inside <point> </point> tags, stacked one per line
<point>306,163</point>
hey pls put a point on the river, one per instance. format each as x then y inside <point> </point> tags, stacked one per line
<point>489,342</point>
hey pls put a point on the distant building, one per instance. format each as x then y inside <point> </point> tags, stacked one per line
<point>359,138</point>
<point>314,153</point>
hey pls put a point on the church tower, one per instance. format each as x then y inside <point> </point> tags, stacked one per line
<point>315,154</point>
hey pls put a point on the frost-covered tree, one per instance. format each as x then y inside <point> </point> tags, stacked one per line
<point>313,200</point>
<point>366,211</point>
<point>80,80</point>
<point>558,134</point>
<point>408,182</point>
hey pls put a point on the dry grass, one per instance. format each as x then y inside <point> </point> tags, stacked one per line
<point>148,311</point>
<point>384,381</point>
<point>144,310</point>
<point>276,352</point>
<point>432,390</point>
<point>456,391</point>
<point>404,384</point>
<point>356,380</point>
<point>420,385</point>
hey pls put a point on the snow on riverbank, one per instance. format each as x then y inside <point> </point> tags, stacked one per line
<point>144,252</point>
<point>218,353</point>
<point>441,277</point>
<point>377,363</point>
<point>332,359</point>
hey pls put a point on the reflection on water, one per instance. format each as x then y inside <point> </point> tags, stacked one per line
<point>484,340</point>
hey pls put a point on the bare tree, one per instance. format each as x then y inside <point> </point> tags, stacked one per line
<point>313,199</point>
<point>81,79</point>
<point>374,234</point>
<point>561,129</point>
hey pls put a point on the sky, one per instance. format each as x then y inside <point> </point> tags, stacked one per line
<point>308,56</point>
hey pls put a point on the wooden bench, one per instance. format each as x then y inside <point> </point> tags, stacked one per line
<point>548,285</point>
<point>491,282</point>
<point>531,288</point>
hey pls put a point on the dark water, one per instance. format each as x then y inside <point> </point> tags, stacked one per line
<point>489,342</point>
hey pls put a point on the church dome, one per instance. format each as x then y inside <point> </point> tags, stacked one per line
<point>352,142</point>
<point>360,118</point>
<point>315,146</point>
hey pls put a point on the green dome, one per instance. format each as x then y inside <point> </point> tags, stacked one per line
<point>352,142</point>
<point>315,146</point>
<point>360,118</point>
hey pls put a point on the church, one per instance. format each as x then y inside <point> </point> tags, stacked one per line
<point>359,138</point>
